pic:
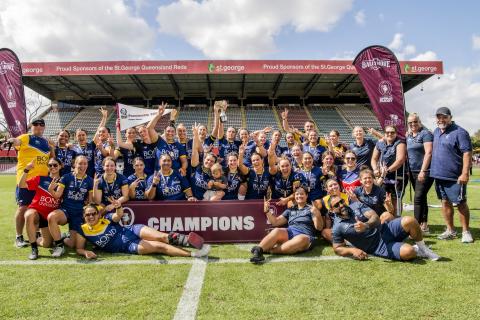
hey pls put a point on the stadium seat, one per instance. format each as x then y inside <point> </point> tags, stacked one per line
<point>327,118</point>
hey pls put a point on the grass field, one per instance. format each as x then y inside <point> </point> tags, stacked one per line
<point>151,287</point>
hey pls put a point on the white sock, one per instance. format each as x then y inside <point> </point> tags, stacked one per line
<point>421,244</point>
<point>240,197</point>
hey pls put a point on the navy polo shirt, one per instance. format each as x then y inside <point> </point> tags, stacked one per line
<point>448,150</point>
<point>416,150</point>
<point>363,152</point>
<point>375,199</point>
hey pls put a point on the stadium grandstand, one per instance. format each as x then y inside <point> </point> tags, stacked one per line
<point>327,92</point>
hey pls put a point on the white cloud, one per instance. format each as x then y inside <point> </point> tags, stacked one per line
<point>426,56</point>
<point>407,51</point>
<point>245,29</point>
<point>459,90</point>
<point>397,41</point>
<point>74,30</point>
<point>346,55</point>
<point>360,18</point>
<point>475,42</point>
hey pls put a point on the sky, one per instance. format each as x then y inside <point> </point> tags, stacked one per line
<point>67,30</point>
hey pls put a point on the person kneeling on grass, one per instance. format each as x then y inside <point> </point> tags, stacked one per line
<point>107,234</point>
<point>360,225</point>
<point>298,236</point>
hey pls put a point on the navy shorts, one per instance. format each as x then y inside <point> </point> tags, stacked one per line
<point>74,219</point>
<point>131,239</point>
<point>24,196</point>
<point>42,222</point>
<point>392,237</point>
<point>293,232</point>
<point>450,190</point>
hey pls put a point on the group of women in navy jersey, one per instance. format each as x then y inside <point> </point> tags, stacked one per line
<point>167,165</point>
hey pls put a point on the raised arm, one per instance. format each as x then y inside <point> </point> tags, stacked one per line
<point>375,133</point>
<point>151,125</point>
<point>103,122</point>
<point>196,143</point>
<point>152,190</point>
<point>216,118</point>
<point>285,124</point>
<point>221,128</point>
<point>241,154</point>
<point>272,158</point>
<point>120,143</point>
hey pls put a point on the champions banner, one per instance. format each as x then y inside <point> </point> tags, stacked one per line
<point>215,221</point>
<point>133,116</point>
<point>12,97</point>
<point>379,71</point>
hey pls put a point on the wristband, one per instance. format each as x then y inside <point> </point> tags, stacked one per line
<point>154,185</point>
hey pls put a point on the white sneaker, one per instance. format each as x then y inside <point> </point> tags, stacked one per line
<point>467,237</point>
<point>58,251</point>
<point>447,235</point>
<point>202,252</point>
<point>426,252</point>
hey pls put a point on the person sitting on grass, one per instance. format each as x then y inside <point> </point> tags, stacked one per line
<point>360,226</point>
<point>107,234</point>
<point>301,221</point>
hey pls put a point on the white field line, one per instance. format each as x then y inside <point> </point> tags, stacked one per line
<point>188,304</point>
<point>270,259</point>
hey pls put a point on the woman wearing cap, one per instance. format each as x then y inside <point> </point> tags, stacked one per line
<point>419,150</point>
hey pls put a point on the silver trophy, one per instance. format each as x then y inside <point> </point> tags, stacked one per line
<point>223,116</point>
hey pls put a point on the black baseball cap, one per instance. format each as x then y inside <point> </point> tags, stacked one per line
<point>443,111</point>
<point>39,121</point>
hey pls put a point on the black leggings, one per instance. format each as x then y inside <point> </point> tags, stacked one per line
<point>420,205</point>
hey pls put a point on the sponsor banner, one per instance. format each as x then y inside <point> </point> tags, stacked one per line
<point>212,67</point>
<point>222,221</point>
<point>133,116</point>
<point>12,97</point>
<point>379,71</point>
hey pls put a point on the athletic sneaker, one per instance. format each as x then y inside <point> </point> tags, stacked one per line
<point>34,254</point>
<point>58,251</point>
<point>447,235</point>
<point>426,252</point>
<point>202,252</point>
<point>20,242</point>
<point>467,237</point>
<point>426,231</point>
<point>195,240</point>
<point>257,255</point>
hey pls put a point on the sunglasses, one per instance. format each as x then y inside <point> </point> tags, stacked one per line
<point>413,122</point>
<point>350,158</point>
<point>90,214</point>
<point>390,132</point>
<point>338,204</point>
<point>38,124</point>
<point>53,165</point>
